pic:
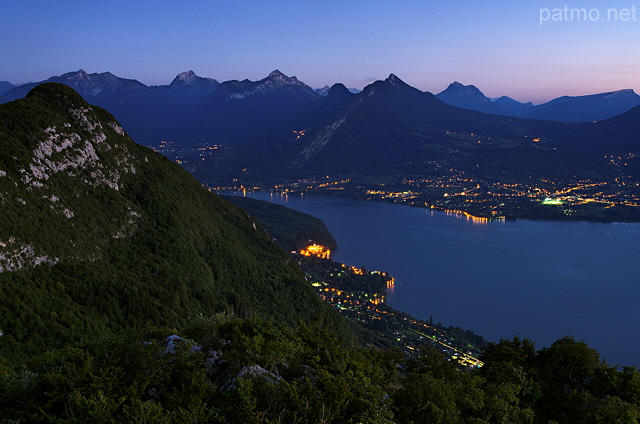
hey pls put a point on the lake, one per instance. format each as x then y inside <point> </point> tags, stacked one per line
<point>536,279</point>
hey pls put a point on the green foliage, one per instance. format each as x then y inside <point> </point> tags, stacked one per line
<point>243,371</point>
<point>255,371</point>
<point>566,382</point>
<point>153,251</point>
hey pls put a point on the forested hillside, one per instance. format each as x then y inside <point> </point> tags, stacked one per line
<point>99,234</point>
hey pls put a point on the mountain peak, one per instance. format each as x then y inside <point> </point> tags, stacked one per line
<point>276,74</point>
<point>395,81</point>
<point>323,91</point>
<point>461,88</point>
<point>187,76</point>
<point>467,97</point>
<point>188,81</point>
<point>338,93</point>
<point>456,90</point>
<point>79,75</point>
<point>278,78</point>
<point>338,88</point>
<point>392,78</point>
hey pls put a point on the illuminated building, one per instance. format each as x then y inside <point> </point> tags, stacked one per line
<point>316,250</point>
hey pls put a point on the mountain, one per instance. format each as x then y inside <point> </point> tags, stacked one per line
<point>100,234</point>
<point>325,90</point>
<point>150,114</point>
<point>164,112</point>
<point>192,110</point>
<point>275,83</point>
<point>468,97</point>
<point>87,85</point>
<point>594,107</point>
<point>589,108</point>
<point>392,128</point>
<point>5,86</point>
<point>616,136</point>
<point>511,107</point>
<point>189,81</point>
<point>268,149</point>
<point>240,110</point>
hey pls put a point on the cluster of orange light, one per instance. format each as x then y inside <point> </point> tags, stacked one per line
<point>328,293</point>
<point>357,271</point>
<point>316,250</point>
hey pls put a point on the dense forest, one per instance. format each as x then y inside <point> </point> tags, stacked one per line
<point>231,370</point>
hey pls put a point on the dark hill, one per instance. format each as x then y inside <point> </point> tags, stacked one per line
<point>589,108</point>
<point>100,234</point>
<point>511,107</point>
<point>291,229</point>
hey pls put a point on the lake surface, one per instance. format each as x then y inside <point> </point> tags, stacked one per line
<point>536,279</point>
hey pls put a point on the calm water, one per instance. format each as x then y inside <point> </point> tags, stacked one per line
<point>540,280</point>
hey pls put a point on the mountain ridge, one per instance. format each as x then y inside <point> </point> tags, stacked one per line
<point>586,108</point>
<point>195,111</point>
<point>392,127</point>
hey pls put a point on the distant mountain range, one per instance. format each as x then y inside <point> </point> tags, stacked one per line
<point>392,128</point>
<point>594,107</point>
<point>150,114</point>
<point>193,110</point>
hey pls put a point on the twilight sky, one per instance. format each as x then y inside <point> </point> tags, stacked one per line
<point>524,49</point>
